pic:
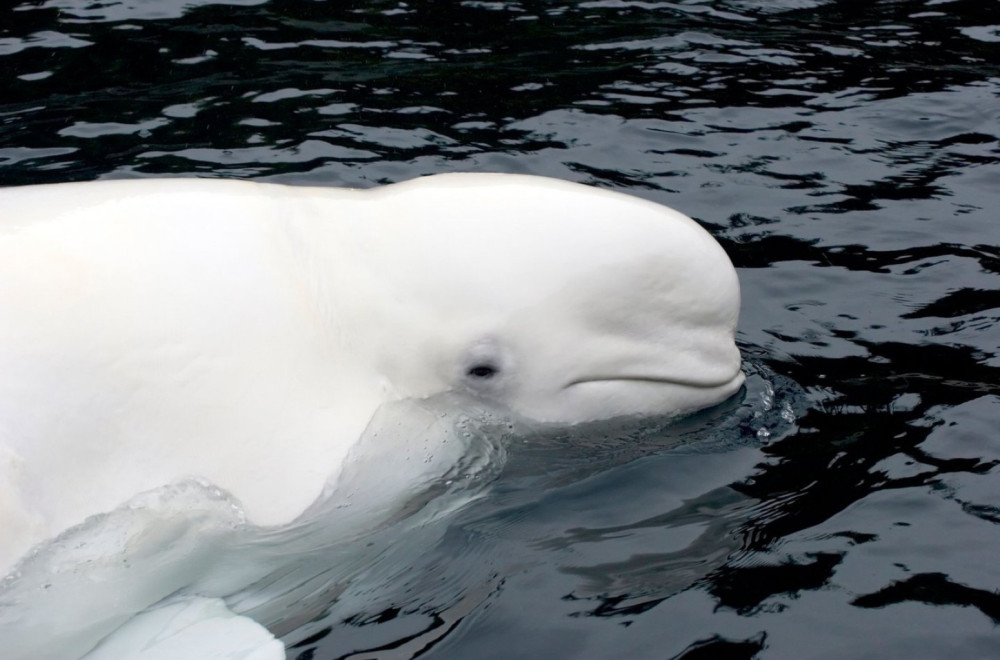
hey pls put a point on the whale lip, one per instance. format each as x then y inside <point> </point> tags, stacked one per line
<point>693,382</point>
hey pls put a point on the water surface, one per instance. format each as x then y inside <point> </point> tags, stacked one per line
<point>847,156</point>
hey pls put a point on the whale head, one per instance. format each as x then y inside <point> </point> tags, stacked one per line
<point>562,302</point>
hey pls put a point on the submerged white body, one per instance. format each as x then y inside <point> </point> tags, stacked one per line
<point>244,333</point>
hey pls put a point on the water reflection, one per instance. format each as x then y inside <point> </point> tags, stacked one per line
<point>466,73</point>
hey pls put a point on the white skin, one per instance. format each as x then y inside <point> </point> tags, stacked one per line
<point>245,333</point>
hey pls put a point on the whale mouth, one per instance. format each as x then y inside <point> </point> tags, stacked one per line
<point>653,379</point>
<point>605,395</point>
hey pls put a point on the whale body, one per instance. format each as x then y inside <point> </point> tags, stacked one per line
<point>245,333</point>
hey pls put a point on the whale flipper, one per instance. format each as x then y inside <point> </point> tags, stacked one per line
<point>192,629</point>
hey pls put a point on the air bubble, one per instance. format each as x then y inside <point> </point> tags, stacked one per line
<point>767,396</point>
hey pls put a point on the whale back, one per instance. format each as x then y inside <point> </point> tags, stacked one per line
<point>157,330</point>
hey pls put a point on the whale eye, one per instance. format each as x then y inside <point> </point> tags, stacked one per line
<point>482,371</point>
<point>485,366</point>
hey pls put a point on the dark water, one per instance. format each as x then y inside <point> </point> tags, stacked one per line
<point>846,154</point>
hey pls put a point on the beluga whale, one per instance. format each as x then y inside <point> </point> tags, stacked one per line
<point>246,334</point>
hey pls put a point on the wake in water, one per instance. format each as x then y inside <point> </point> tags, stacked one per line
<point>416,462</point>
<point>541,516</point>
